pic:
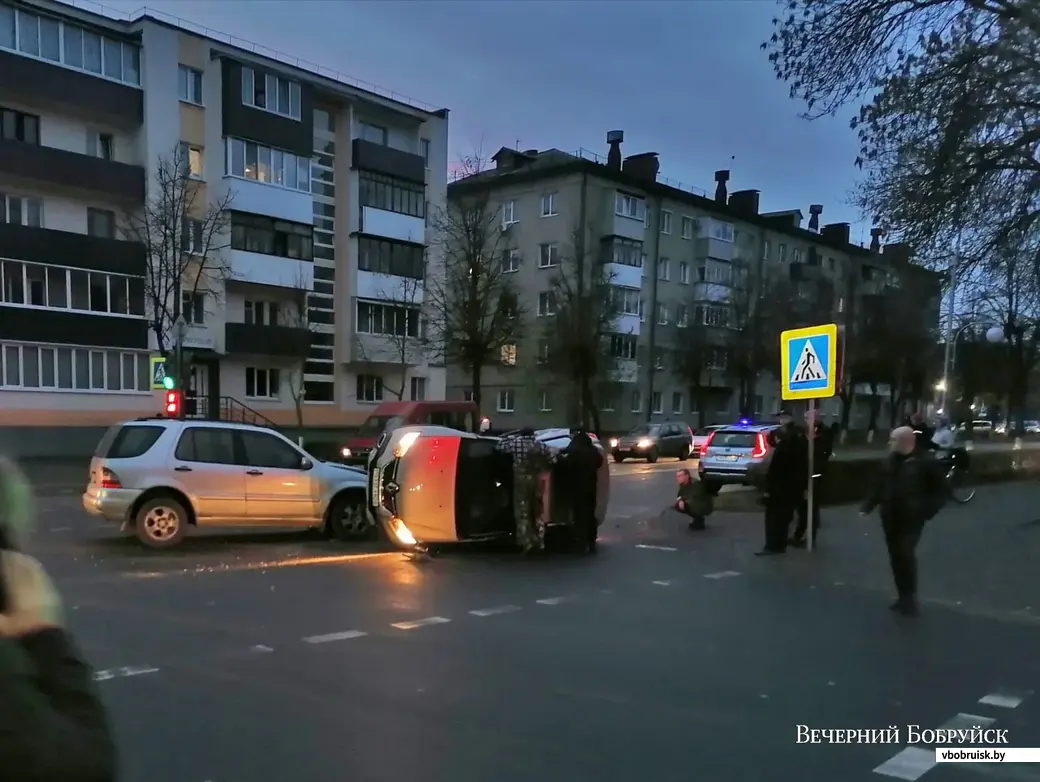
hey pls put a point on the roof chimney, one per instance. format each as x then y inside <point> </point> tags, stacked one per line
<point>614,139</point>
<point>839,232</point>
<point>875,239</point>
<point>745,201</point>
<point>721,178</point>
<point>645,166</point>
<point>814,217</point>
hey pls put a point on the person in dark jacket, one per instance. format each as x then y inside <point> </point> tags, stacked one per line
<point>923,433</point>
<point>579,466</point>
<point>787,478</point>
<point>909,491</point>
<point>693,500</point>
<point>53,727</point>
<point>822,442</point>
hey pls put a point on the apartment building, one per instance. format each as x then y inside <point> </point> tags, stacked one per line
<point>672,253</point>
<point>327,187</point>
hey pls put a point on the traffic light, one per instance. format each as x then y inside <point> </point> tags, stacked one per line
<point>169,383</point>
<point>173,403</point>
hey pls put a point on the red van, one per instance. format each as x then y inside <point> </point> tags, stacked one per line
<point>393,415</point>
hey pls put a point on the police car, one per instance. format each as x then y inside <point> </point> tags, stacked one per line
<point>736,454</point>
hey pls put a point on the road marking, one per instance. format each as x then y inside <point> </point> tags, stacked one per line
<point>59,529</point>
<point>261,648</point>
<point>552,601</point>
<point>430,620</point>
<point>656,548</point>
<point>910,763</point>
<point>346,635</point>
<point>124,672</point>
<point>722,574</point>
<point>663,583</point>
<point>494,611</point>
<point>1002,701</point>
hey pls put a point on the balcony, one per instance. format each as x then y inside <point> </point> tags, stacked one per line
<point>624,276</point>
<point>392,225</point>
<point>713,248</point>
<point>295,206</point>
<point>625,371</point>
<point>273,270</point>
<point>711,291</point>
<point>381,159</point>
<point>61,327</point>
<point>388,287</point>
<point>627,323</point>
<point>629,227</point>
<point>256,340</point>
<point>46,245</point>
<point>384,349</point>
<point>37,163</point>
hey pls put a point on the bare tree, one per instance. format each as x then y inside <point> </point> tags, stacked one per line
<point>470,296</point>
<point>293,314</point>
<point>400,339</point>
<point>696,351</point>
<point>184,236</point>
<point>584,308</point>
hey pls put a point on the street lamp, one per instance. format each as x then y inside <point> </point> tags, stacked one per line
<point>180,333</point>
<point>949,359</point>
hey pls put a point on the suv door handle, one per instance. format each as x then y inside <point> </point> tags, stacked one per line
<point>182,468</point>
<point>254,472</point>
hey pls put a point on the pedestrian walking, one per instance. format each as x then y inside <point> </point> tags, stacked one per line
<point>787,478</point>
<point>578,471</point>
<point>531,460</point>
<point>821,439</point>
<point>909,491</point>
<point>693,500</point>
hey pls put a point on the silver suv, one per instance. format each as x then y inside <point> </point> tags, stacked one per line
<point>159,475</point>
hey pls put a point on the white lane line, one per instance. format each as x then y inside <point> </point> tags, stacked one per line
<point>552,601</point>
<point>968,721</point>
<point>1002,701</point>
<point>722,574</point>
<point>910,763</point>
<point>261,648</point>
<point>495,610</point>
<point>346,635</point>
<point>663,583</point>
<point>656,548</point>
<point>430,620</point>
<point>124,672</point>
<point>59,529</point>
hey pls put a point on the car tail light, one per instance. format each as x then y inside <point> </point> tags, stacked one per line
<point>760,446</point>
<point>707,443</point>
<point>109,480</point>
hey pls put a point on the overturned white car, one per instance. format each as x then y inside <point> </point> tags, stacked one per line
<point>431,485</point>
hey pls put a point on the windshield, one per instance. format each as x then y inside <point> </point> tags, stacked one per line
<point>377,424</point>
<point>643,430</point>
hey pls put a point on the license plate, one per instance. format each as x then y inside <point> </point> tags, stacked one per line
<point>730,458</point>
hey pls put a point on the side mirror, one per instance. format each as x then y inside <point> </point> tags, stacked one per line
<point>306,464</point>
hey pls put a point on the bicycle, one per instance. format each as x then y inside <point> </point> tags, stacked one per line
<point>957,477</point>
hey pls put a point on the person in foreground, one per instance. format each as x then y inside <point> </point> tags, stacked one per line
<point>786,480</point>
<point>693,500</point>
<point>909,491</point>
<point>531,460</point>
<point>580,463</point>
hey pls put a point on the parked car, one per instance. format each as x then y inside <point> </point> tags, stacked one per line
<point>435,485</point>
<point>158,476</point>
<point>393,415</point>
<point>735,455</point>
<point>1031,427</point>
<point>652,441</point>
<point>701,437</point>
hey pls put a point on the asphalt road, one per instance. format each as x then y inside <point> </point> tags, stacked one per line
<point>670,656</point>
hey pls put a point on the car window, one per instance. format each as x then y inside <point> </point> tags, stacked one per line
<point>266,450</point>
<point>128,442</point>
<point>705,431</point>
<point>733,439</point>
<point>205,444</point>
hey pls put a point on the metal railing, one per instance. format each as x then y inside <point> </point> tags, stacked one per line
<point>586,154</point>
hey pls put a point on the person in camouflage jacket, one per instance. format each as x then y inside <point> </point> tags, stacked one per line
<point>531,460</point>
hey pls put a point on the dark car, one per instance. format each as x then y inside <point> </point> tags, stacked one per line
<point>652,441</point>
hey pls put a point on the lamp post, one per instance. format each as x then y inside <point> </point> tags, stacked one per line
<point>180,332</point>
<point>949,360</point>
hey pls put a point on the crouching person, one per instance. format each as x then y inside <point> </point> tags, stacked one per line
<point>693,500</point>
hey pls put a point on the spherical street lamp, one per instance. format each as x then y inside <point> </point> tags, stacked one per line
<point>995,334</point>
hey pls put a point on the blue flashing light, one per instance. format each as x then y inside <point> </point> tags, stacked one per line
<point>745,422</point>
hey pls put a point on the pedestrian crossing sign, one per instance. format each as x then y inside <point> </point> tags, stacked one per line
<point>809,362</point>
<point>158,367</point>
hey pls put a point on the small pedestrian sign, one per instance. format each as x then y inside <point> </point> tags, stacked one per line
<point>158,367</point>
<point>809,359</point>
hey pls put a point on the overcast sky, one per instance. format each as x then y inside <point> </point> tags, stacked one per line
<point>683,78</point>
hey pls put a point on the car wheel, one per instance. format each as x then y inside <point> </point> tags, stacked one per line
<point>652,456</point>
<point>161,522</point>
<point>713,488</point>
<point>685,454</point>
<point>348,519</point>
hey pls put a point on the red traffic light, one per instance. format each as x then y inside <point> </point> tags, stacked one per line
<point>173,403</point>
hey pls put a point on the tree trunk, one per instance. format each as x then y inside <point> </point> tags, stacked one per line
<point>846,396</point>
<point>874,409</point>
<point>475,375</point>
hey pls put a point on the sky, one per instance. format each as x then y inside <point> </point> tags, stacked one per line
<point>683,78</point>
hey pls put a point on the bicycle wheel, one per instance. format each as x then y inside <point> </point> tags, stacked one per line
<point>961,492</point>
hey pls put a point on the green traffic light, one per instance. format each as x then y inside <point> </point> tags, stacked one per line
<point>168,383</point>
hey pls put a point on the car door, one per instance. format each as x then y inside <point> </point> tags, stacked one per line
<point>206,470</point>
<point>669,440</point>
<point>278,489</point>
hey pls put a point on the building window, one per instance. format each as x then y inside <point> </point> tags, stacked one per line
<point>57,287</point>
<point>662,314</point>
<point>656,403</point>
<point>417,389</point>
<point>262,383</point>
<point>190,160</point>
<point>676,402</point>
<point>666,222</point>
<point>664,270</point>
<point>387,319</point>
<point>369,388</point>
<point>193,238</point>
<point>626,252</point>
<point>59,368</point>
<point>247,160</point>
<point>189,85</point>
<point>548,256</point>
<point>382,256</point>
<point>716,359</point>
<point>624,346</point>
<point>101,223</point>
<point>19,126</point>
<point>101,145</point>
<point>796,255</point>
<point>626,205</point>
<point>18,210</point>
<point>549,205</point>
<point>627,301</point>
<point>424,151</point>
<point>377,134</point>
<point>262,313</point>
<point>765,249</point>
<point>380,191</point>
<point>509,213</point>
<point>544,402</point>
<point>504,401</point>
<point>508,356</point>
<point>268,236</point>
<point>684,272</point>
<point>546,303</point>
<point>467,395</point>
<point>636,401</point>
<point>713,316</point>
<point>721,231</point>
<point>42,37</point>
<point>681,316</point>
<point>510,261</point>
<point>783,253</point>
<point>543,352</point>
<point>271,93</point>
<point>193,307</point>
<point>688,227</point>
